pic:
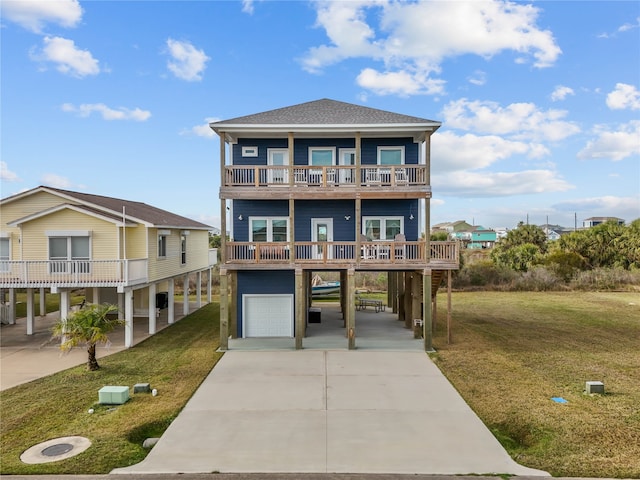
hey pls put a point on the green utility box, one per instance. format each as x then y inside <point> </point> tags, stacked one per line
<point>112,395</point>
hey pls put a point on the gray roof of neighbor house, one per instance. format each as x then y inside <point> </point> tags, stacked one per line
<point>114,206</point>
<point>325,115</point>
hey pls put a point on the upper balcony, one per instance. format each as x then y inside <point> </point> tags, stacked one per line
<point>380,255</point>
<point>336,181</point>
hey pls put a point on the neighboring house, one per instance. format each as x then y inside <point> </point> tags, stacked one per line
<point>324,186</point>
<point>119,251</point>
<point>475,237</point>
<point>593,221</point>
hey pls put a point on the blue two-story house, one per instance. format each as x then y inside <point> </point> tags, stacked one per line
<point>324,186</point>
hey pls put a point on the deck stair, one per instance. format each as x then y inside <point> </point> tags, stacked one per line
<point>436,280</point>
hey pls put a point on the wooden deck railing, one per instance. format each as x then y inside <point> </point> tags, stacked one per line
<point>326,176</point>
<point>70,273</point>
<point>323,253</point>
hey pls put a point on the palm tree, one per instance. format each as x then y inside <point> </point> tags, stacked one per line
<point>88,326</point>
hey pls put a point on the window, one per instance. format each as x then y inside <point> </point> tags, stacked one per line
<point>69,254</point>
<point>5,254</point>
<point>380,228</point>
<point>162,246</point>
<point>390,155</point>
<point>183,249</point>
<point>321,157</point>
<point>269,229</point>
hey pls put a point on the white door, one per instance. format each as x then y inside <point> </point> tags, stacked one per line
<point>267,315</point>
<point>278,157</point>
<point>322,232</point>
<point>348,159</point>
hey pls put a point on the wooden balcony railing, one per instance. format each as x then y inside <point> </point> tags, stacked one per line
<point>316,176</point>
<point>72,273</point>
<point>327,253</point>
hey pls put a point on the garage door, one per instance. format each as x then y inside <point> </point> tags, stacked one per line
<point>267,316</point>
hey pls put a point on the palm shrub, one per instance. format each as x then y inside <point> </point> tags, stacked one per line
<point>88,326</point>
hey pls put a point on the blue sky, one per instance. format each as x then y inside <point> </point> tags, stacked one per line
<point>539,101</point>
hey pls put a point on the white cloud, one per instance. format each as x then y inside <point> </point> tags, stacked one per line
<point>55,181</point>
<point>495,184</point>
<point>202,130</point>
<point>613,145</point>
<point>519,120</point>
<point>478,78</point>
<point>187,62</point>
<point>413,38</point>
<point>561,92</point>
<point>472,151</point>
<point>68,58</point>
<point>627,208</point>
<point>121,113</point>
<point>247,6</point>
<point>624,97</point>
<point>6,174</point>
<point>34,14</point>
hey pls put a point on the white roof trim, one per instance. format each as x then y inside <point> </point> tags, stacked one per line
<point>64,206</point>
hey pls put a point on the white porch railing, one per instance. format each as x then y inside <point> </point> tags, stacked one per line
<point>43,273</point>
<point>325,176</point>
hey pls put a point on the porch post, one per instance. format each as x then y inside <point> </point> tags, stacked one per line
<point>223,201</point>
<point>299,312</point>
<point>408,291</point>
<point>224,310</point>
<point>96,295</point>
<point>427,331</point>
<point>43,302</point>
<point>185,296</point>
<point>351,308</point>
<point>448,306</point>
<point>199,289</point>
<point>12,306</point>
<point>128,318</point>
<point>171,308</point>
<point>209,275</point>
<point>232,285</point>
<point>30,314</point>
<point>152,308</point>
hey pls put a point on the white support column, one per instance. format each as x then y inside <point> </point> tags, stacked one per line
<point>65,306</point>
<point>199,289</point>
<point>210,274</point>
<point>128,318</point>
<point>12,306</point>
<point>152,309</point>
<point>30,314</point>
<point>185,301</point>
<point>171,308</point>
<point>96,295</point>
<point>43,303</point>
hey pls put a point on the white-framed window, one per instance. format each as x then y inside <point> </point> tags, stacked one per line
<point>322,156</point>
<point>69,254</point>
<point>269,229</point>
<point>5,253</point>
<point>249,151</point>
<point>391,155</point>
<point>183,249</point>
<point>382,228</point>
<point>162,245</point>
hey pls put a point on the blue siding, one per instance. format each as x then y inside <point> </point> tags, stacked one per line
<point>259,208</point>
<point>393,208</point>
<point>262,283</point>
<point>343,230</point>
<point>301,149</point>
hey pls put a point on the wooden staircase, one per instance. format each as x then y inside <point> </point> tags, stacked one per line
<point>436,280</point>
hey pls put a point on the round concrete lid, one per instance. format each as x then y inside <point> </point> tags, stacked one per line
<point>55,449</point>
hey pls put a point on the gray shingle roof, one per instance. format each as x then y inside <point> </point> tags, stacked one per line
<point>136,210</point>
<point>325,112</point>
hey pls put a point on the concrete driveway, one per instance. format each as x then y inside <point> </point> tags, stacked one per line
<point>327,411</point>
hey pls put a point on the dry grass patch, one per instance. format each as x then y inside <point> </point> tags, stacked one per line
<point>512,352</point>
<point>175,361</point>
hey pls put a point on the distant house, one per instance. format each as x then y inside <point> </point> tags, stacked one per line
<point>119,251</point>
<point>593,221</point>
<point>472,236</point>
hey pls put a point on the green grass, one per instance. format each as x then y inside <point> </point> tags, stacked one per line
<point>175,361</point>
<point>52,302</point>
<point>512,352</point>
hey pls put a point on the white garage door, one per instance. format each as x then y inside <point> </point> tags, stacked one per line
<point>267,316</point>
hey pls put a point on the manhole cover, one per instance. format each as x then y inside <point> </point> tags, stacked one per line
<point>59,449</point>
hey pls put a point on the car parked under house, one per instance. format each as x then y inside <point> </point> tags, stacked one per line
<point>325,186</point>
